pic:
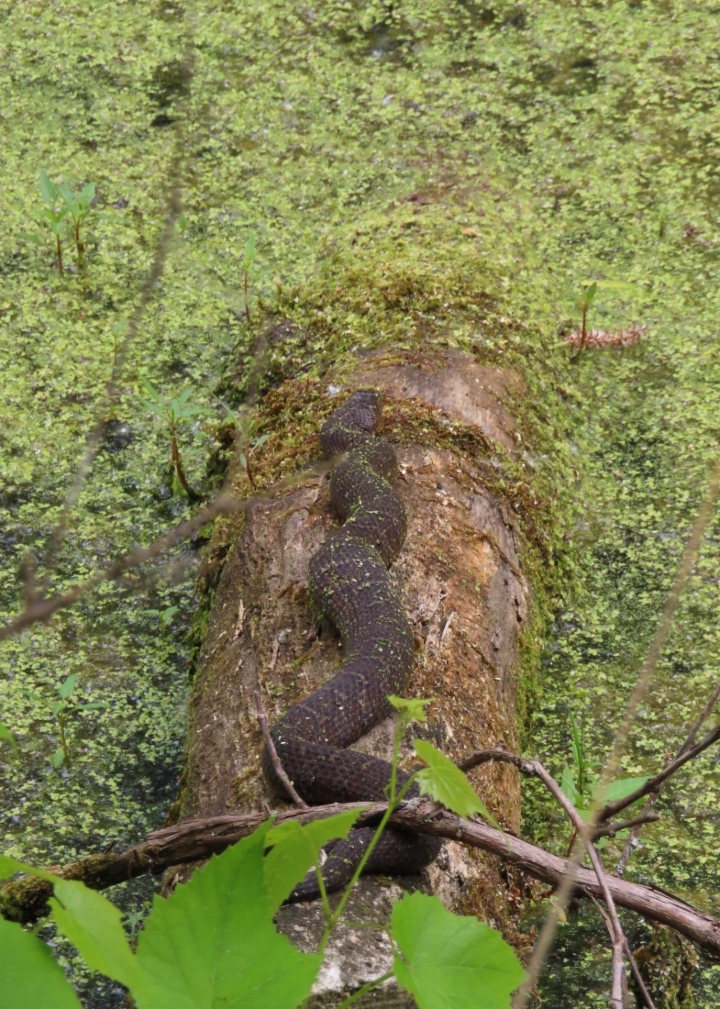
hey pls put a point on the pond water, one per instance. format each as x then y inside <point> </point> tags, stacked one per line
<point>523,148</point>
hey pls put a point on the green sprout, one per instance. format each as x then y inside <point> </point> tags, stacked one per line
<point>78,207</point>
<point>54,215</point>
<point>59,711</point>
<point>173,414</point>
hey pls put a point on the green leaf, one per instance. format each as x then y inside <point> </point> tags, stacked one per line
<point>451,961</point>
<point>93,926</point>
<point>57,707</point>
<point>87,194</point>
<point>28,237</point>
<point>411,709</point>
<point>621,788</point>
<point>9,866</point>
<point>568,787</point>
<point>153,393</point>
<point>29,976</point>
<point>446,783</point>
<point>250,251</point>
<point>7,735</point>
<point>160,410</point>
<point>296,848</point>
<point>48,190</point>
<point>213,944</point>
<point>68,685</point>
<point>58,758</point>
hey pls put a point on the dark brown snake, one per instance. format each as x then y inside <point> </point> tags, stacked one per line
<point>349,584</point>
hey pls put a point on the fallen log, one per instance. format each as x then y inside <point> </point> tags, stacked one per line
<point>193,840</point>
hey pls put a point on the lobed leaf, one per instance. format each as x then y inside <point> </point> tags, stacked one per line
<point>29,976</point>
<point>450,961</point>
<point>446,783</point>
<point>296,847</point>
<point>410,709</point>
<point>93,926</point>
<point>213,944</point>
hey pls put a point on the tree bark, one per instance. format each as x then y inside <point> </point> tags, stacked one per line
<point>460,575</point>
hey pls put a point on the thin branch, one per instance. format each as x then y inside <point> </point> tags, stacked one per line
<point>42,609</point>
<point>653,784</point>
<point>276,763</point>
<point>585,833</point>
<point>195,840</point>
<point>147,292</point>
<point>654,796</point>
<point>647,671</point>
<point>638,977</point>
<point>611,829</point>
<point>628,952</point>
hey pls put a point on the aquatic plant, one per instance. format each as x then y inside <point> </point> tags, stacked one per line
<point>54,215</point>
<point>173,414</point>
<point>59,711</point>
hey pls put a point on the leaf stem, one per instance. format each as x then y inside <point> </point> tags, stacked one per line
<point>393,801</point>
<point>323,894</point>
<point>365,988</point>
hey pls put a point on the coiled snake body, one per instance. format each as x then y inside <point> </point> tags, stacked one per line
<point>349,584</point>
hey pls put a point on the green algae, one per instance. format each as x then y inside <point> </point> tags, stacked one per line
<point>416,174</point>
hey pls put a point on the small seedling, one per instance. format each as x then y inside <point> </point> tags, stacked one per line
<point>78,207</point>
<point>165,617</point>
<point>247,263</point>
<point>54,215</point>
<point>244,457</point>
<point>62,204</point>
<point>173,414</point>
<point>59,711</point>
<point>580,784</point>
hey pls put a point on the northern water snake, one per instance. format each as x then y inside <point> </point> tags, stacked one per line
<point>349,584</point>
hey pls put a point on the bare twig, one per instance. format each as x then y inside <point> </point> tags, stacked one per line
<point>655,795</point>
<point>647,671</point>
<point>194,840</point>
<point>42,609</point>
<point>628,953</point>
<point>147,292</point>
<point>585,832</point>
<point>638,977</point>
<point>276,763</point>
<point>653,784</point>
<point>611,829</point>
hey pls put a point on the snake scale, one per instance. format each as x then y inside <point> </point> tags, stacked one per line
<point>349,584</point>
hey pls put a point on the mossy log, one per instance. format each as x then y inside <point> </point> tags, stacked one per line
<point>461,578</point>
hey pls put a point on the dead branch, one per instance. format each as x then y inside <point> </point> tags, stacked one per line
<point>642,685</point>
<point>276,763</point>
<point>654,796</point>
<point>194,840</point>
<point>42,609</point>
<point>653,784</point>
